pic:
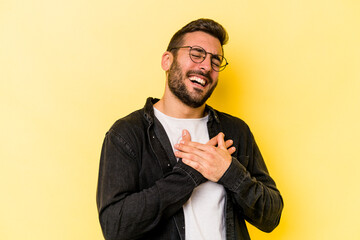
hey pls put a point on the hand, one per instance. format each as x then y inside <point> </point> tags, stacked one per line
<point>186,137</point>
<point>211,159</point>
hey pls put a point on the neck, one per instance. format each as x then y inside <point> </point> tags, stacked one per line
<point>173,107</point>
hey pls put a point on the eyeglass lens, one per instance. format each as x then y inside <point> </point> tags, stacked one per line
<point>198,55</point>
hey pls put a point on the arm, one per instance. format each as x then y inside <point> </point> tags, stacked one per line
<point>253,191</point>
<point>125,210</point>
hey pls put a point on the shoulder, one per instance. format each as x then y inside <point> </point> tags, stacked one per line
<point>132,121</point>
<point>137,121</point>
<point>130,129</point>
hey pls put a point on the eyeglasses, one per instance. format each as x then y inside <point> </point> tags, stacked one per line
<point>198,55</point>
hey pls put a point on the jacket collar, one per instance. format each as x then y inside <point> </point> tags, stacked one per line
<point>149,111</point>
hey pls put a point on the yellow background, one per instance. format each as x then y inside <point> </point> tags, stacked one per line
<point>70,68</point>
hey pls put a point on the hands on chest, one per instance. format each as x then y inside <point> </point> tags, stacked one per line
<point>211,159</point>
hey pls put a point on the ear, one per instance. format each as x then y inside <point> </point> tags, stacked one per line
<point>166,61</point>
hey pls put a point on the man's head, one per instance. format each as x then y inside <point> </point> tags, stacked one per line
<point>192,61</point>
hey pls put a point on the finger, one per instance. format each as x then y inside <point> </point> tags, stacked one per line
<point>192,148</point>
<point>229,143</point>
<point>221,141</point>
<point>189,156</point>
<point>213,141</point>
<point>186,136</point>
<point>231,150</point>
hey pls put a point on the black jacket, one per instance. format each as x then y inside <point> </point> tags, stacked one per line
<point>142,188</point>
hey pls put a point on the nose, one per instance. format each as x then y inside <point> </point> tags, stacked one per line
<point>206,64</point>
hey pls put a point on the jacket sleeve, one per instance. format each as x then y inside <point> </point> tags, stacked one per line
<point>253,191</point>
<point>125,210</point>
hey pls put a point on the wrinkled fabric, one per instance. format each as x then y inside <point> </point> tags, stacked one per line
<point>142,188</point>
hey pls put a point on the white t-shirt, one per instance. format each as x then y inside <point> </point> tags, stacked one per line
<point>204,211</point>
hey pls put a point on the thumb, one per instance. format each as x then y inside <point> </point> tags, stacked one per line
<point>186,136</point>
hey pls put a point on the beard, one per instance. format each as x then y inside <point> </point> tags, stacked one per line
<point>176,83</point>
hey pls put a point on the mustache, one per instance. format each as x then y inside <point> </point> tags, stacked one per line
<point>198,72</point>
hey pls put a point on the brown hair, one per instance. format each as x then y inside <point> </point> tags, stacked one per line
<point>204,25</point>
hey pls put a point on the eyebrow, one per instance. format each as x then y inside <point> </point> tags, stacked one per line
<point>212,54</point>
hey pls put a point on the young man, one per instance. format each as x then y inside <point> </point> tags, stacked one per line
<point>178,169</point>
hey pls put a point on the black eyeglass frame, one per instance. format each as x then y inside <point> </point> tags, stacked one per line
<point>221,67</point>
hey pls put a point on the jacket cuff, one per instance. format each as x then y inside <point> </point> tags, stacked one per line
<point>233,176</point>
<point>195,176</point>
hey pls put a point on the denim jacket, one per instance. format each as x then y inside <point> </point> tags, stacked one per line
<point>142,188</point>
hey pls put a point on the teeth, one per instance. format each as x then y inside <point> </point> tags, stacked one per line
<point>200,81</point>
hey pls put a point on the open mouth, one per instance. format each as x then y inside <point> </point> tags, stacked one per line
<point>198,81</point>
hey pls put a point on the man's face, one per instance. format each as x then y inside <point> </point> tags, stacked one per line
<point>193,83</point>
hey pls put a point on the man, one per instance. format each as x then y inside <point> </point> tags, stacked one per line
<point>178,169</point>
